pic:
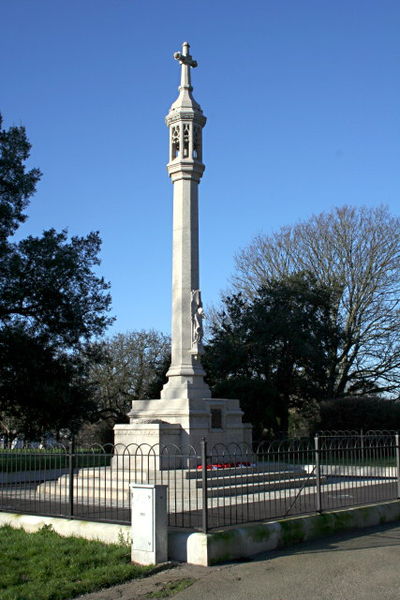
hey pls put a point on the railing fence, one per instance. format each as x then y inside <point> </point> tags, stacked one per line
<point>207,487</point>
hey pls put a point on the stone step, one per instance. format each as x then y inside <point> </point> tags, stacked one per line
<point>113,491</point>
<point>86,485</point>
<point>106,490</point>
<point>165,476</point>
<point>84,481</point>
<point>193,473</point>
<point>221,478</point>
<point>260,468</point>
<point>104,485</point>
<point>255,487</point>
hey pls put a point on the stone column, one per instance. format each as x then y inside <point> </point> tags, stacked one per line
<point>185,121</point>
<point>185,412</point>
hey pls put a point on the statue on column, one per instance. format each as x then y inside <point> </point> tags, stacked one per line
<point>197,323</point>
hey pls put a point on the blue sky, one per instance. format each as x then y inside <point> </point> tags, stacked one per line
<point>302,101</point>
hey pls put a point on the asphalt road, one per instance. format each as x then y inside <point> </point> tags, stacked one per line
<point>356,566</point>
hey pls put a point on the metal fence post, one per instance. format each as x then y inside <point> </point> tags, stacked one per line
<point>204,489</point>
<point>397,438</point>
<point>362,445</point>
<point>318,505</point>
<point>71,477</point>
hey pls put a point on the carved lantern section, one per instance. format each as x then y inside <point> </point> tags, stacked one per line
<point>185,120</point>
<point>175,142</point>
<point>186,141</point>
<point>197,144</point>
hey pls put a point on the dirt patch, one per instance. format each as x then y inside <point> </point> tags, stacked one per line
<point>169,580</point>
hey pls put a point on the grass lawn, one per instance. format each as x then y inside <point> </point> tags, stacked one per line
<point>46,566</point>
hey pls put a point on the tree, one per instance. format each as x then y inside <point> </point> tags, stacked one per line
<point>51,306</point>
<point>47,286</point>
<point>359,412</point>
<point>41,389</point>
<point>133,367</point>
<point>16,185</point>
<point>276,350</point>
<point>355,251</point>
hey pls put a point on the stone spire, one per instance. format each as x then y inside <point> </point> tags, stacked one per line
<point>184,109</point>
<point>185,120</point>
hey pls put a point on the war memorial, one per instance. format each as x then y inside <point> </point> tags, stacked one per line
<point>185,413</point>
<point>187,456</point>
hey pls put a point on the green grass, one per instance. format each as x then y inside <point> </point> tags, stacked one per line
<point>171,588</point>
<point>46,566</point>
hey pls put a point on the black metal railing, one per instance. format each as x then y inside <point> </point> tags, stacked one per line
<point>208,487</point>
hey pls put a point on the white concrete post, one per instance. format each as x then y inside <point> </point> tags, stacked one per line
<point>149,524</point>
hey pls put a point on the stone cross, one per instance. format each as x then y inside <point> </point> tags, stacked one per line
<point>186,61</point>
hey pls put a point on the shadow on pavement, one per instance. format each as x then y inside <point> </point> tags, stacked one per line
<point>358,539</point>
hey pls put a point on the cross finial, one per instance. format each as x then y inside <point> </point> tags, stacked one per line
<point>186,62</point>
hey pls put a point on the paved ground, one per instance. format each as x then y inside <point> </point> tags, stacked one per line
<point>225,511</point>
<point>362,566</point>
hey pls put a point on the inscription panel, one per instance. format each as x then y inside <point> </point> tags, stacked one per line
<point>216,418</point>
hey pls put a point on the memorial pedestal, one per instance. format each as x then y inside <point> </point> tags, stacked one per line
<point>184,422</point>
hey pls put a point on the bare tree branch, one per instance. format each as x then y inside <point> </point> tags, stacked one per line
<point>357,252</point>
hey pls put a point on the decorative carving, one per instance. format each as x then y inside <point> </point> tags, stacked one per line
<point>175,141</point>
<point>197,323</point>
<point>186,138</point>
<point>196,142</point>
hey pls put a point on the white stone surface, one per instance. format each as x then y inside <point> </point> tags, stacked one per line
<point>185,168</point>
<point>184,422</point>
<point>109,533</point>
<point>183,413</point>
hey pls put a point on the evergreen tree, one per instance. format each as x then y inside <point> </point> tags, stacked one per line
<point>51,305</point>
<point>275,351</point>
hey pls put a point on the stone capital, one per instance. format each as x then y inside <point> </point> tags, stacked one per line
<point>184,114</point>
<point>181,169</point>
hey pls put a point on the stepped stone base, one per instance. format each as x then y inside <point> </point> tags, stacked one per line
<point>183,422</point>
<point>109,486</point>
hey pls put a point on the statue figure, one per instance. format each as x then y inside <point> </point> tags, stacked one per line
<point>197,322</point>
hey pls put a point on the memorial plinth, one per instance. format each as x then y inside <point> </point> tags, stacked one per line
<point>185,413</point>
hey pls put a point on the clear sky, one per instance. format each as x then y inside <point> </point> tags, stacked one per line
<point>301,96</point>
